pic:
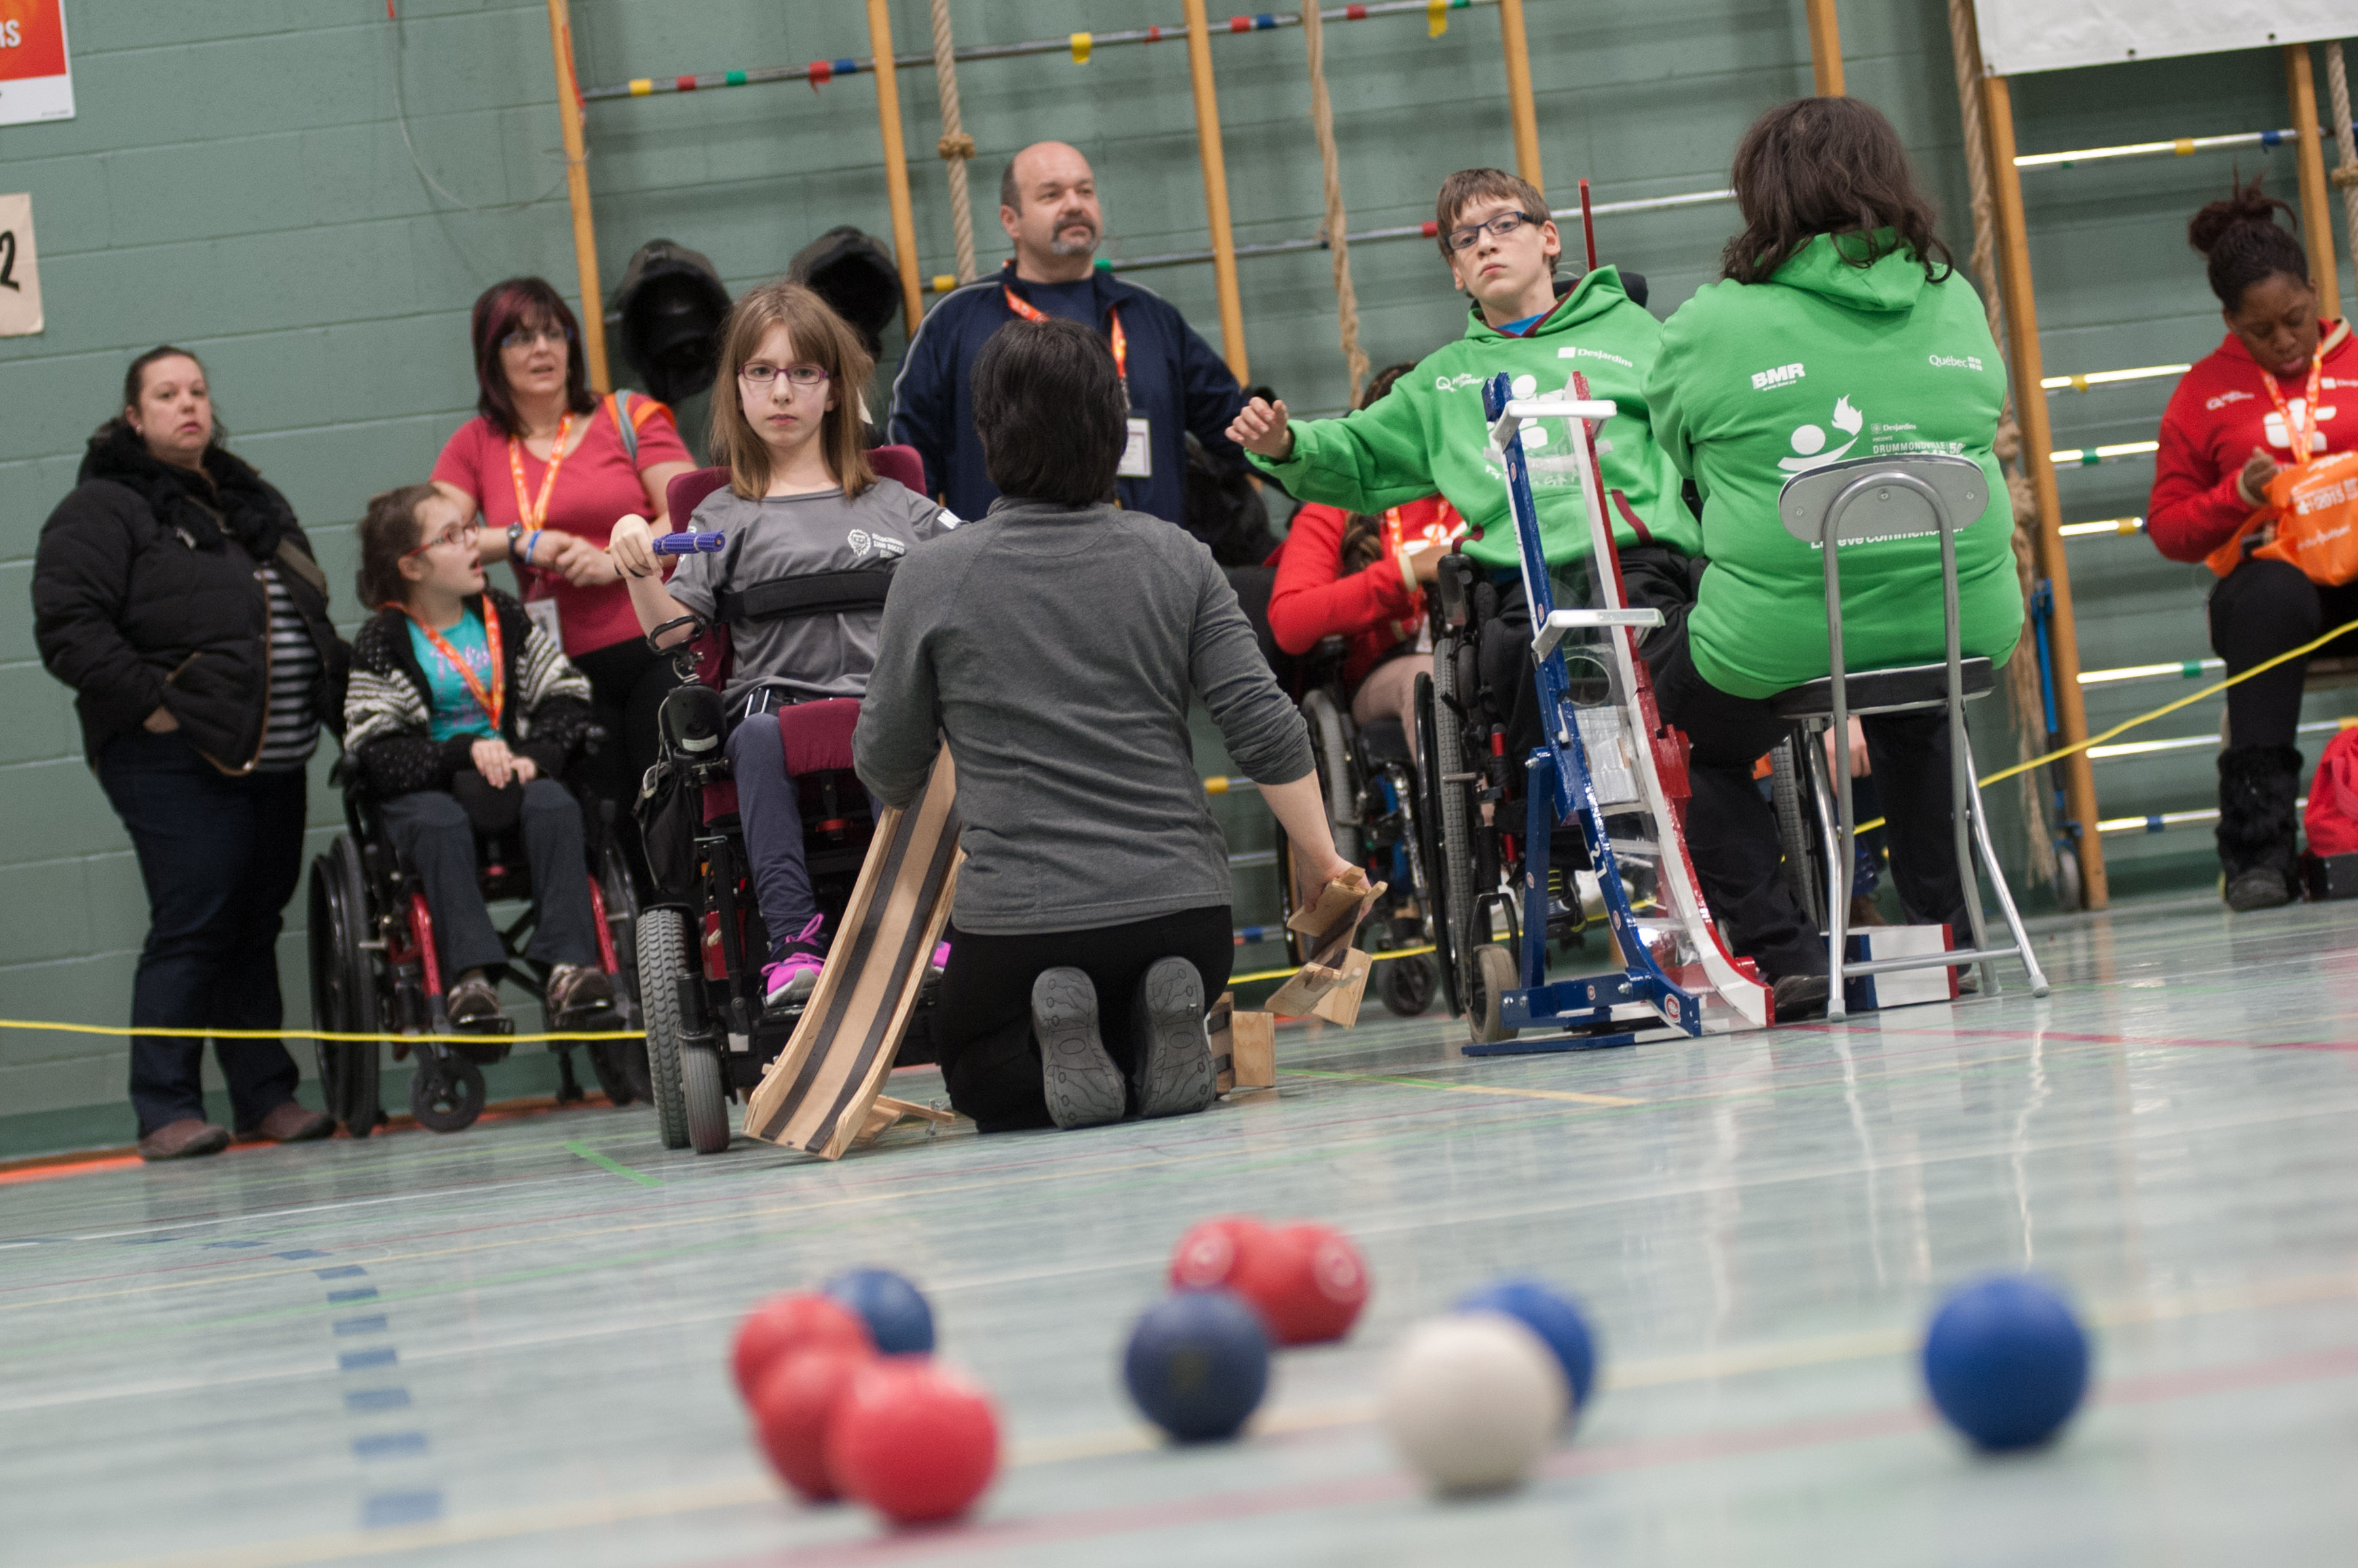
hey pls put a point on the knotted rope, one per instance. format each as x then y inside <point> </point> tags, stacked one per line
<point>1322,119</point>
<point>2025,699</point>
<point>955,147</point>
<point>2345,173</point>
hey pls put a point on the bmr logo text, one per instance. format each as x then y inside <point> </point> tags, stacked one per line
<point>1783,375</point>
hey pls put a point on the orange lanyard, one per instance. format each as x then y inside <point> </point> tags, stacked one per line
<point>492,700</point>
<point>2302,438</point>
<point>1032,312</point>
<point>528,513</point>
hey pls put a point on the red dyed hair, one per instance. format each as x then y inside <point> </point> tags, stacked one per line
<point>500,309</point>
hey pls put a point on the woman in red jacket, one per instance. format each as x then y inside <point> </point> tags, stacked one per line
<point>1363,579</point>
<point>2270,396</point>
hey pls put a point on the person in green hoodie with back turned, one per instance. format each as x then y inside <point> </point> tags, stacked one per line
<point>1843,331</point>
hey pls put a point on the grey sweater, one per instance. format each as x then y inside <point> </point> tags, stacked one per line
<point>1056,649</point>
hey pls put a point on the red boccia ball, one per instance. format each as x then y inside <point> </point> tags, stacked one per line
<point>914,1441</point>
<point>1308,1281</point>
<point>794,1402</point>
<point>1209,1255</point>
<point>802,1320</point>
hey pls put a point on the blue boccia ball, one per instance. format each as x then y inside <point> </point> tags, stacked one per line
<point>894,1310</point>
<point>1551,1315</point>
<point>2006,1360</point>
<point>1198,1363</point>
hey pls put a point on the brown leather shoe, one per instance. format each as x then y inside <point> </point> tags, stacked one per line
<point>183,1139</point>
<point>293,1123</point>
<point>576,992</point>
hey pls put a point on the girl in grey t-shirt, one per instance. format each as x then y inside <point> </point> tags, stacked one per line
<point>813,532</point>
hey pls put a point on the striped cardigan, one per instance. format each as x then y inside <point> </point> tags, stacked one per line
<point>388,708</point>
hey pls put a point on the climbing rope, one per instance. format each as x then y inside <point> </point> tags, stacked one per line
<point>955,147</point>
<point>1322,119</point>
<point>2345,174</point>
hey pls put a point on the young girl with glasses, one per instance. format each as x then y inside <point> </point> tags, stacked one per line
<point>802,501</point>
<point>463,714</point>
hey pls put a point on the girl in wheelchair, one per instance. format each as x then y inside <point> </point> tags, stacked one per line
<point>814,533</point>
<point>463,715</point>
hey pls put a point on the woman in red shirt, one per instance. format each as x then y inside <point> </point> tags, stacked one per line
<point>1363,579</point>
<point>2270,396</point>
<point>547,466</point>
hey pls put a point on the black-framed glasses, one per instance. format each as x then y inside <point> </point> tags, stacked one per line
<point>526,337</point>
<point>764,375</point>
<point>1499,227</point>
<point>457,534</point>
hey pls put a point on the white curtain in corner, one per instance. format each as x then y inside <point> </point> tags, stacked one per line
<point>2019,36</point>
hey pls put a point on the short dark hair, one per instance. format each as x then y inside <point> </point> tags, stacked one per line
<point>500,309</point>
<point>2244,244</point>
<point>1827,166</point>
<point>1050,408</point>
<point>1467,186</point>
<point>134,381</point>
<point>1009,196</point>
<point>388,532</point>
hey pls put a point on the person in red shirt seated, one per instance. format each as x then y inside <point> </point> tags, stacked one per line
<point>2269,397</point>
<point>1364,578</point>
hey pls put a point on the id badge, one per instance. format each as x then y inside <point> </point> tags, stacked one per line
<point>544,615</point>
<point>1137,453</point>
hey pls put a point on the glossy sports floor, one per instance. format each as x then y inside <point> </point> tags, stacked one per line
<point>507,1345</point>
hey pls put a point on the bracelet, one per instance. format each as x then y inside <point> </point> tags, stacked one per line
<point>532,543</point>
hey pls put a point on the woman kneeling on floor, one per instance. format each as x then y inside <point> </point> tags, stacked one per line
<point>1057,644</point>
<point>464,713</point>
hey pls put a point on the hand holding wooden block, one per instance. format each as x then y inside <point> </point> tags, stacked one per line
<point>1330,923</point>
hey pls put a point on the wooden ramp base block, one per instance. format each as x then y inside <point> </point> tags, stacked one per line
<point>888,1113</point>
<point>1244,1046</point>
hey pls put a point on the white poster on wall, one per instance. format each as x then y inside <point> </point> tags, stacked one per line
<point>35,73</point>
<point>2023,36</point>
<point>20,273</point>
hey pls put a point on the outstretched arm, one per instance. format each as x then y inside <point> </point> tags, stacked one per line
<point>632,546</point>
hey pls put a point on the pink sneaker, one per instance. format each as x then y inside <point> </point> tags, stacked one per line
<point>795,974</point>
<point>941,957</point>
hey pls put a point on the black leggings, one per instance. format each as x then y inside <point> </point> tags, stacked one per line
<point>627,684</point>
<point>2258,611</point>
<point>982,1017</point>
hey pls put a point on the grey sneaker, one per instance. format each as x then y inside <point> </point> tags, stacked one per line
<point>1083,1088</point>
<point>1174,1061</point>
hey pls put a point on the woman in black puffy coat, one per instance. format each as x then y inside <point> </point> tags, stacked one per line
<point>175,592</point>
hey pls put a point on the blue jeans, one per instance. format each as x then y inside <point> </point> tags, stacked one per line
<point>436,836</point>
<point>771,807</point>
<point>220,857</point>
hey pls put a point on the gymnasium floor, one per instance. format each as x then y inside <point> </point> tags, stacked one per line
<point>507,1347</point>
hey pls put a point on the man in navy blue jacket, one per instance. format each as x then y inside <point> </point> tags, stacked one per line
<point>1048,204</point>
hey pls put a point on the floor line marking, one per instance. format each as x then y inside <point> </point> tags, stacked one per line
<point>608,1162</point>
<point>1574,1095</point>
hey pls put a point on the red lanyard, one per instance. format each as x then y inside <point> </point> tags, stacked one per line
<point>1032,312</point>
<point>2301,438</point>
<point>527,513</point>
<point>495,698</point>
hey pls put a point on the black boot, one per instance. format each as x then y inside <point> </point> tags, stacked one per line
<point>2259,828</point>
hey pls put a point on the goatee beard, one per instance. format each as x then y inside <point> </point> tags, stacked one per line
<point>1060,247</point>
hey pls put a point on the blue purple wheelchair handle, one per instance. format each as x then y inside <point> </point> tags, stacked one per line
<point>691,544</point>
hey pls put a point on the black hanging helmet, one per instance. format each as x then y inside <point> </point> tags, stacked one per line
<point>855,275</point>
<point>669,308</point>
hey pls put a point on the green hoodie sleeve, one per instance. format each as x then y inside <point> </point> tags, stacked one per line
<point>1371,459</point>
<point>1663,380</point>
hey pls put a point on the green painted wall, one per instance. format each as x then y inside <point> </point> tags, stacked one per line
<point>237,181</point>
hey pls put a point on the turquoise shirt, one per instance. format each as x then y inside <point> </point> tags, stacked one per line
<point>456,711</point>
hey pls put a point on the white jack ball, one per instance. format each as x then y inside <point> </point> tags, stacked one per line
<point>1473,1400</point>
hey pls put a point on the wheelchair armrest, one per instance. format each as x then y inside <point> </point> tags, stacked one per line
<point>346,773</point>
<point>1323,666</point>
<point>1453,592</point>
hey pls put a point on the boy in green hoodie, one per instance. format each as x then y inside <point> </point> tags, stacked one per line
<point>1832,338</point>
<point>1430,434</point>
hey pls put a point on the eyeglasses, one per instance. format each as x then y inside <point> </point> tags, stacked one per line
<point>1499,227</point>
<point>796,376</point>
<point>526,337</point>
<point>457,534</point>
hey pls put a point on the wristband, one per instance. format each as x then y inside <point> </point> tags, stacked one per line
<point>534,544</point>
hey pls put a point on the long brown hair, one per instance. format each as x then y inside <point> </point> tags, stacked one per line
<point>500,309</point>
<point>1827,166</point>
<point>820,336</point>
<point>389,531</point>
<point>1363,539</point>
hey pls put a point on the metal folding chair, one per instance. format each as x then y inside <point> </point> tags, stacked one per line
<point>1864,501</point>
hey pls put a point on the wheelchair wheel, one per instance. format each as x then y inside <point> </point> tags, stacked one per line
<point>1493,975</point>
<point>707,1102</point>
<point>1804,857</point>
<point>621,1065</point>
<point>446,1094</point>
<point>343,987</point>
<point>662,960</point>
<point>1405,986</point>
<point>1450,863</point>
<point>1330,745</point>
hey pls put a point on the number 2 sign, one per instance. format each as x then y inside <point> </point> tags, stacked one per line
<point>20,277</point>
